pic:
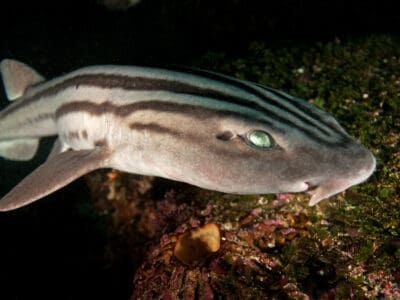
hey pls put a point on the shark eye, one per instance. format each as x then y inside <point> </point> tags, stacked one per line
<point>260,139</point>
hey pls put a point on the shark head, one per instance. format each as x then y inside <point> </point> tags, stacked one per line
<point>243,156</point>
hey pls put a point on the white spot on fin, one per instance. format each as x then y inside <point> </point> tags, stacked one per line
<point>19,149</point>
<point>58,147</point>
<point>17,77</point>
<point>54,174</point>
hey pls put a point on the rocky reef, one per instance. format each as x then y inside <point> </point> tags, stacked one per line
<point>187,243</point>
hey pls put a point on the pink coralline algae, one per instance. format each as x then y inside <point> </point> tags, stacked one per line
<point>240,266</point>
<point>234,270</point>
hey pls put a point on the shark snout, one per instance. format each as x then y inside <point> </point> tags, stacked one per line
<point>354,171</point>
<point>366,166</point>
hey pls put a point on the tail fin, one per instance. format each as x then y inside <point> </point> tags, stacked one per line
<point>17,77</point>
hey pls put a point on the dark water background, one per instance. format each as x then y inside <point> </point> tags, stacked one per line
<point>51,250</point>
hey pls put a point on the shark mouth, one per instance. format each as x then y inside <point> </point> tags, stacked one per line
<point>327,188</point>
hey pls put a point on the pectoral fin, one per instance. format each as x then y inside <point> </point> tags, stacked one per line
<point>52,175</point>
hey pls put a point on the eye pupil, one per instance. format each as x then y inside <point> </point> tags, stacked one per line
<point>260,139</point>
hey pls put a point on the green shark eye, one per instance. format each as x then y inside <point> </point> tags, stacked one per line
<point>260,139</point>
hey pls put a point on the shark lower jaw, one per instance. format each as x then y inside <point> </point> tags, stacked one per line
<point>325,189</point>
<point>320,190</point>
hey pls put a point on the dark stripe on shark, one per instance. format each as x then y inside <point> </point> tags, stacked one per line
<point>39,118</point>
<point>302,105</point>
<point>153,127</point>
<point>196,112</point>
<point>153,84</point>
<point>250,88</point>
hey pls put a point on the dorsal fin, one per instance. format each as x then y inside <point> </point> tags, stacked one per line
<point>17,77</point>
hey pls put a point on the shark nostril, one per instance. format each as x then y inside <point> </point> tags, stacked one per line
<point>225,136</point>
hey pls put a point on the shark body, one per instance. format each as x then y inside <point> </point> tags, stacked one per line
<point>203,128</point>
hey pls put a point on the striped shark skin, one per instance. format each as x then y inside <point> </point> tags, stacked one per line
<point>194,126</point>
